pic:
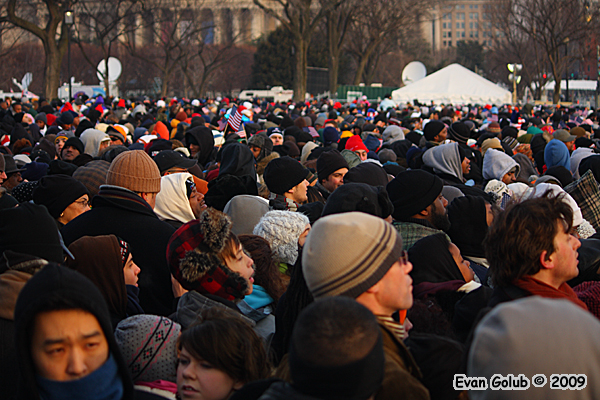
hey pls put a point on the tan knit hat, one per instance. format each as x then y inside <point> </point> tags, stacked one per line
<point>345,254</point>
<point>134,170</point>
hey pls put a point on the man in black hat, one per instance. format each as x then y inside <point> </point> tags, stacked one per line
<point>12,174</point>
<point>435,132</point>
<point>173,162</point>
<point>419,206</point>
<point>72,149</point>
<point>2,170</point>
<point>286,180</point>
<point>331,169</point>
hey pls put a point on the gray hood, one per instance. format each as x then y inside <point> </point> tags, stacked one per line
<point>496,164</point>
<point>91,139</point>
<point>444,159</point>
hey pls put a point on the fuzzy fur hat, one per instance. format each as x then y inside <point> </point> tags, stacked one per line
<point>282,229</point>
<point>192,254</point>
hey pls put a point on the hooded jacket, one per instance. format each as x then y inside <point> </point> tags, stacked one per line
<point>91,139</point>
<point>237,159</point>
<point>54,288</point>
<point>496,164</point>
<point>576,157</point>
<point>203,137</point>
<point>445,160</point>
<point>172,203</point>
<point>557,153</point>
<point>122,213</point>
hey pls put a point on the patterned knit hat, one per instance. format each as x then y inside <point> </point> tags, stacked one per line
<point>375,247</point>
<point>192,254</point>
<point>282,229</point>
<point>134,170</point>
<point>148,344</point>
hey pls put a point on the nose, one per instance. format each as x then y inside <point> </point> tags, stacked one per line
<point>577,243</point>
<point>444,202</point>
<point>76,366</point>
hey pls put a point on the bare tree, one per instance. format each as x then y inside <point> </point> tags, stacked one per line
<point>51,31</point>
<point>381,26</point>
<point>558,29</point>
<point>337,24</point>
<point>300,18</point>
<point>103,23</point>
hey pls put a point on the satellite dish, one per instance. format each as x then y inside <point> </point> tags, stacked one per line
<point>413,72</point>
<point>114,69</point>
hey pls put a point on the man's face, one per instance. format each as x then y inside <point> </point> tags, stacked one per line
<point>67,345</point>
<point>115,141</point>
<point>564,258</point>
<point>197,202</point>
<point>69,153</point>
<point>299,192</point>
<point>362,154</point>
<point>438,216</point>
<point>2,175</point>
<point>441,136</point>
<point>509,178</point>
<point>17,108</point>
<point>466,166</point>
<point>335,180</point>
<point>12,180</point>
<point>380,124</point>
<point>41,124</point>
<point>255,150</point>
<point>570,145</point>
<point>395,288</point>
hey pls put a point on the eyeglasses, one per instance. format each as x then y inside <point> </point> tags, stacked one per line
<point>190,187</point>
<point>83,203</point>
<point>403,257</point>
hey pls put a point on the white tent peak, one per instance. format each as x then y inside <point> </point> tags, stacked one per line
<point>453,84</point>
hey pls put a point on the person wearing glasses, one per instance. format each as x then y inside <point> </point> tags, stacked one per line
<point>373,270</point>
<point>65,197</point>
<point>179,201</point>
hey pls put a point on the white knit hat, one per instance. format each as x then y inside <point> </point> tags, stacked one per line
<point>282,229</point>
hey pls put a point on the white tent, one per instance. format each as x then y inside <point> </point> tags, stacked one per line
<point>454,84</point>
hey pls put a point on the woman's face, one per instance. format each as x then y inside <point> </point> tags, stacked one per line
<point>243,265</point>
<point>199,380</point>
<point>463,264</point>
<point>131,271</point>
<point>75,209</point>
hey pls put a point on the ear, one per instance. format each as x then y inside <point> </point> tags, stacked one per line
<point>426,212</point>
<point>546,260</point>
<point>238,385</point>
<point>373,289</point>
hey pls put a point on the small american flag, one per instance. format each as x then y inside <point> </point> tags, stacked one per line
<point>235,119</point>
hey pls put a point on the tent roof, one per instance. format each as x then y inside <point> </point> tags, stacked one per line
<point>453,84</point>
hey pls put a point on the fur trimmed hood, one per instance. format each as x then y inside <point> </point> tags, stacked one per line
<point>193,256</point>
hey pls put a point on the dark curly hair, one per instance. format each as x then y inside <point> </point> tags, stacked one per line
<point>521,233</point>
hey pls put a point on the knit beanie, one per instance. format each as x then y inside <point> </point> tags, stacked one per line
<point>367,172</point>
<point>283,173</point>
<point>192,255</point>
<point>359,197</point>
<point>282,229</point>
<point>134,170</point>
<point>432,129</point>
<point>330,135</point>
<point>376,246</point>
<point>148,344</point>
<point>355,143</point>
<point>459,132</point>
<point>329,162</point>
<point>92,175</point>
<point>492,143</point>
<point>57,192</point>
<point>41,117</point>
<point>413,191</point>
<point>75,142</point>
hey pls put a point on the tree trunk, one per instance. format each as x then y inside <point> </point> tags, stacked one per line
<point>360,69</point>
<point>52,70</point>
<point>556,97</point>
<point>301,59</point>
<point>164,86</point>
<point>334,57</point>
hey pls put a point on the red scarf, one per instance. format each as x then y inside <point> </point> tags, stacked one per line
<point>539,288</point>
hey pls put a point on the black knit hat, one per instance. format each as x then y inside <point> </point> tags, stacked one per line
<point>433,128</point>
<point>329,162</point>
<point>283,173</point>
<point>367,172</point>
<point>459,132</point>
<point>75,142</point>
<point>413,191</point>
<point>57,192</point>
<point>359,197</point>
<point>16,232</point>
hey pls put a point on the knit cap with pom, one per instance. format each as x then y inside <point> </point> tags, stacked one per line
<point>134,170</point>
<point>282,229</point>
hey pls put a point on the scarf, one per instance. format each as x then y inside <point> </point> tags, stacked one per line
<point>539,288</point>
<point>102,384</point>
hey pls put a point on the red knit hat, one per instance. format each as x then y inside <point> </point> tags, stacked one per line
<point>355,143</point>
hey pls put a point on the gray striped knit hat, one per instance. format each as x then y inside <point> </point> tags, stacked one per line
<point>345,254</point>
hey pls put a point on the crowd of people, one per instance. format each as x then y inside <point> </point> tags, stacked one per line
<point>222,249</point>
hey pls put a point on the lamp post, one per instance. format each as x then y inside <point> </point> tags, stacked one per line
<point>69,19</point>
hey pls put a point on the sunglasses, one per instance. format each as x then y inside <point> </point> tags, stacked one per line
<point>84,203</point>
<point>190,187</point>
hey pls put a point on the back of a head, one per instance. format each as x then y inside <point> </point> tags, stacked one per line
<point>136,171</point>
<point>346,358</point>
<point>507,341</point>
